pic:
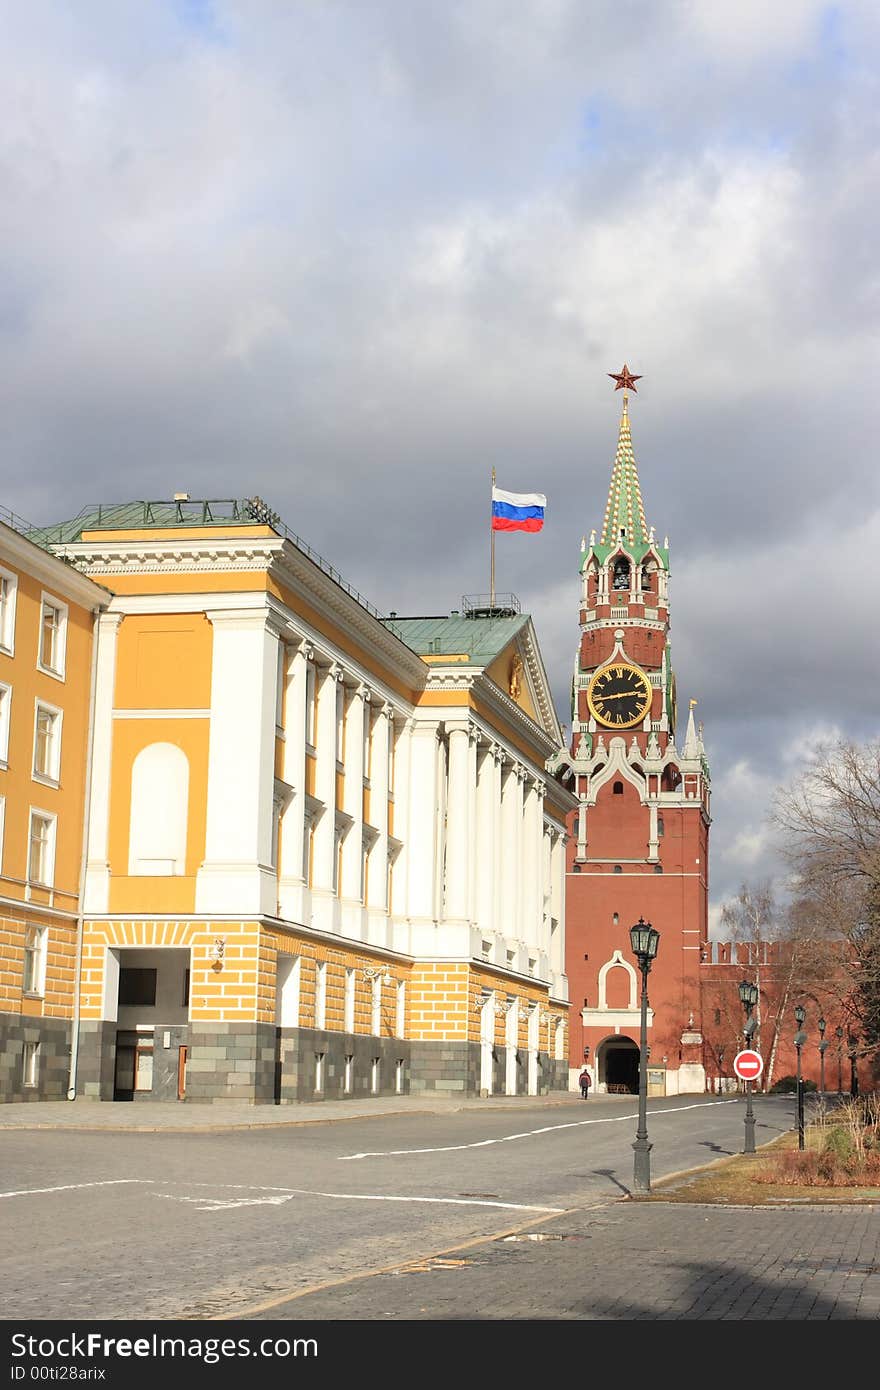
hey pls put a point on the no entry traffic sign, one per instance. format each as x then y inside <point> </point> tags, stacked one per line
<point>748,1065</point>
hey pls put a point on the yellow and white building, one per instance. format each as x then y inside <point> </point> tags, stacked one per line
<point>323,856</point>
<point>47,614</point>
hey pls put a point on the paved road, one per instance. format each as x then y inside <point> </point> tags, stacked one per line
<point>201,1225</point>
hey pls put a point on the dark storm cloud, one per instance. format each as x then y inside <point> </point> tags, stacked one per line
<point>352,256</point>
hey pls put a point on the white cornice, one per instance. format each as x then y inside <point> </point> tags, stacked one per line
<point>54,573</point>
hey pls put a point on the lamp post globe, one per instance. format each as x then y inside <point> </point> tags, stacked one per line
<point>822,1025</point>
<point>644,940</point>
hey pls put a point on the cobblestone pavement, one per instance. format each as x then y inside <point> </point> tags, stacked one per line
<point>632,1260</point>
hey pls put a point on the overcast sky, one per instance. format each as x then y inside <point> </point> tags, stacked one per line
<point>351,255</point>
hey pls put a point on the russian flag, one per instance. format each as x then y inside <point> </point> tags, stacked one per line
<point>517,511</point>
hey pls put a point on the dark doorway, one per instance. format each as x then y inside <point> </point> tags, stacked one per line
<point>123,1076</point>
<point>622,1068</point>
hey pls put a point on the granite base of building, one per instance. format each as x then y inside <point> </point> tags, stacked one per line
<point>96,1061</point>
<point>455,1068</point>
<point>260,1064</point>
<point>49,1065</point>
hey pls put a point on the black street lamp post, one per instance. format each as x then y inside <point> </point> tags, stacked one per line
<point>838,1033</point>
<point>644,940</point>
<point>800,1038</point>
<point>822,1025</point>
<point>720,1071</point>
<point>748,994</point>
<point>853,1069</point>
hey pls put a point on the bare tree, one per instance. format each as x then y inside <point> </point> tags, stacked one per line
<point>830,819</point>
<point>785,956</point>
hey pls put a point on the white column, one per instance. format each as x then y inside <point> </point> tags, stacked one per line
<point>292,870</point>
<point>399,905</point>
<point>378,881</point>
<point>557,901</point>
<point>458,828</point>
<point>473,751</point>
<point>486,834</point>
<point>237,873</point>
<point>497,857</point>
<point>325,777</point>
<point>353,787</point>
<point>422,820</point>
<point>530,881</point>
<point>511,814</point>
<point>97,882</point>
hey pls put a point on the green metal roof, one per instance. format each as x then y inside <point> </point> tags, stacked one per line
<point>220,512</point>
<point>136,516</point>
<point>481,639</point>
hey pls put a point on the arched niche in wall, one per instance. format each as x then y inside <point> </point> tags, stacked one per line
<point>159,805</point>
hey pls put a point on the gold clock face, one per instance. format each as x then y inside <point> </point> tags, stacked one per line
<point>619,696</point>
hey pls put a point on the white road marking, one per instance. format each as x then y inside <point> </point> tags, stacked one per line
<point>530,1133</point>
<point>207,1203</point>
<point>217,1205</point>
<point>73,1187</point>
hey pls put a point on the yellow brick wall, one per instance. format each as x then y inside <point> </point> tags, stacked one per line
<point>337,960</point>
<point>528,994</point>
<point>220,993</point>
<point>57,999</point>
<point>438,1003</point>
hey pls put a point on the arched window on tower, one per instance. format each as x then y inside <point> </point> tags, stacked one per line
<point>620,574</point>
<point>648,578</point>
<point>618,789</point>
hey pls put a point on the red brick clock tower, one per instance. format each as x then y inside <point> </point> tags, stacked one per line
<point>638,844</point>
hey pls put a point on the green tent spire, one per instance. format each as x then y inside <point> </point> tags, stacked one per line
<point>624,510</point>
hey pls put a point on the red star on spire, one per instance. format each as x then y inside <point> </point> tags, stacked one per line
<point>625,379</point>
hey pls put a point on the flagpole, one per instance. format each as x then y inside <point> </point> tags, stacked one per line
<point>492,551</point>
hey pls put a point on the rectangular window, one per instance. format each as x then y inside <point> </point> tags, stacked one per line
<point>398,1076</point>
<point>5,712</point>
<point>340,722</point>
<point>281,680</point>
<point>311,706</point>
<point>41,849</point>
<point>350,986</point>
<point>137,988</point>
<point>185,999</point>
<point>349,1073</point>
<point>400,1011</point>
<point>319,1071</point>
<point>47,743</point>
<point>34,978</point>
<point>31,1067</point>
<point>8,594</point>
<point>376,1007</point>
<point>374,1076</point>
<point>321,996</point>
<point>53,636</point>
<point>287,991</point>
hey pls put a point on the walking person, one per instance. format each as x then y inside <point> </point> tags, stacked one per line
<point>585,1081</point>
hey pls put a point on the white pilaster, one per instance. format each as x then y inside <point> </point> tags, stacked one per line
<point>378,881</point>
<point>325,777</point>
<point>237,873</point>
<point>458,834</point>
<point>97,881</point>
<point>421,839</point>
<point>353,789</point>
<point>292,869</point>
<point>486,836</point>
